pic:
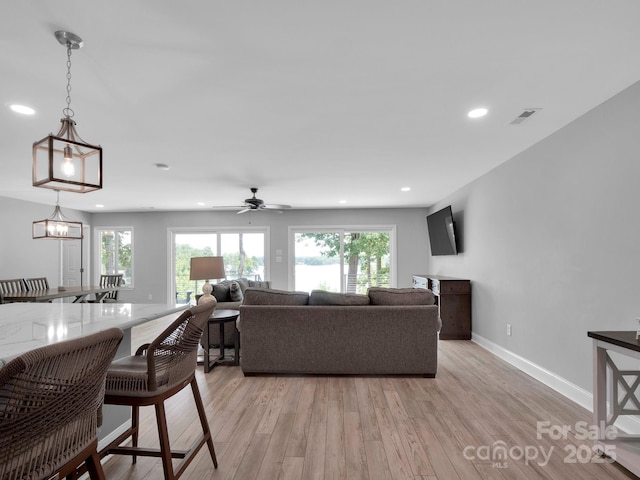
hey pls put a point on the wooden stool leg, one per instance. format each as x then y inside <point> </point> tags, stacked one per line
<point>165,447</point>
<point>135,416</point>
<point>203,421</point>
<point>94,467</point>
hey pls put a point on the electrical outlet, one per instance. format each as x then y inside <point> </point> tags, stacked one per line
<point>509,329</point>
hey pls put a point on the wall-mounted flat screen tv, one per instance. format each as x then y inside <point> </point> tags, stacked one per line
<point>442,236</point>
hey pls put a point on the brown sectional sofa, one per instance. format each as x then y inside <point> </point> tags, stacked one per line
<point>386,332</point>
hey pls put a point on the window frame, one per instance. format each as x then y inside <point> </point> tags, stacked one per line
<point>342,229</point>
<point>171,254</point>
<point>98,249</point>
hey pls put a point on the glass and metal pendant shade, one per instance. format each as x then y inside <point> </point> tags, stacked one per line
<point>64,161</point>
<point>57,227</point>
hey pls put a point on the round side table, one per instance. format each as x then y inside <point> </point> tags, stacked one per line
<point>220,317</point>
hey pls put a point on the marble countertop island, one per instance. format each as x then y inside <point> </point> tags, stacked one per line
<point>25,326</point>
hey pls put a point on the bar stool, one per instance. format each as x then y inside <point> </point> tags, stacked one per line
<point>156,372</point>
<point>50,398</point>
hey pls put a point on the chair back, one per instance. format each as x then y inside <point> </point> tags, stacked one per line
<point>49,403</point>
<point>111,281</point>
<point>12,286</point>
<point>172,356</point>
<point>40,283</point>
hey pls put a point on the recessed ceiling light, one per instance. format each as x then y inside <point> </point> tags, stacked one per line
<point>162,166</point>
<point>202,204</point>
<point>23,109</point>
<point>342,201</point>
<point>405,189</point>
<point>477,112</point>
<point>99,205</point>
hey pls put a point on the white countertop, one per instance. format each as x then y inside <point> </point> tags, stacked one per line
<point>25,326</point>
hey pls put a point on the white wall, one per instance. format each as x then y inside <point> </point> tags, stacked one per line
<point>551,240</point>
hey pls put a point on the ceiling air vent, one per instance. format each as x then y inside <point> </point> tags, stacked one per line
<point>525,115</point>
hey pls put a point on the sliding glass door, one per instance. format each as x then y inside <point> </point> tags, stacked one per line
<point>343,260</point>
<point>243,253</point>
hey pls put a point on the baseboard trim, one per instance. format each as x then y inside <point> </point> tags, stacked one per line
<point>103,442</point>
<point>629,424</point>
<point>561,385</point>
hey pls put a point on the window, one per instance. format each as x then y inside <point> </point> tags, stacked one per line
<point>243,252</point>
<point>343,259</point>
<point>116,252</point>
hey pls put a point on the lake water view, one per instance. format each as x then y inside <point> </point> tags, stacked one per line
<point>317,277</point>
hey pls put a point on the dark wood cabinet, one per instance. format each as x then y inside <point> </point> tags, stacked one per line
<point>453,296</point>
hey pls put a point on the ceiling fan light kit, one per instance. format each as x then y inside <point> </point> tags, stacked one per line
<point>257,204</point>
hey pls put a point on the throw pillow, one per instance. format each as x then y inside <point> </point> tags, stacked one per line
<point>235,292</point>
<point>243,282</point>
<point>400,296</point>
<point>321,297</point>
<point>221,292</point>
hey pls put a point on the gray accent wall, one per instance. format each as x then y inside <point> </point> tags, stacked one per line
<point>551,240</point>
<point>20,255</point>
<point>151,239</point>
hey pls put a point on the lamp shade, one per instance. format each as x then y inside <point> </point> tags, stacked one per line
<point>206,268</point>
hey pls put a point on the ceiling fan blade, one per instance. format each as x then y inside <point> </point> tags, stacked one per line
<point>276,207</point>
<point>244,210</point>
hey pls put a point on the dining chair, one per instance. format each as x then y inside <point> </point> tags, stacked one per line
<point>50,398</point>
<point>12,286</point>
<point>156,372</point>
<point>40,283</point>
<point>111,281</point>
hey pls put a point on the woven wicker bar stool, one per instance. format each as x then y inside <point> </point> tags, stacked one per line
<point>156,372</point>
<point>49,403</point>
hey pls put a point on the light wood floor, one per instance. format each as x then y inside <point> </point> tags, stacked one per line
<point>374,427</point>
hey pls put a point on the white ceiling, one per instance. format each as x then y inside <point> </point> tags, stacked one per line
<point>311,101</point>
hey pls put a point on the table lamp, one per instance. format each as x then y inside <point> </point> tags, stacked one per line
<point>206,268</point>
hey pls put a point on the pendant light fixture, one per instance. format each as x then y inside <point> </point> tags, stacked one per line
<point>64,161</point>
<point>57,227</point>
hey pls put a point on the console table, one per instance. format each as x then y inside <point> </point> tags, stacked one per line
<point>615,396</point>
<point>453,296</point>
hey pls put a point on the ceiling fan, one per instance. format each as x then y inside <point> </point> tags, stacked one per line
<point>254,203</point>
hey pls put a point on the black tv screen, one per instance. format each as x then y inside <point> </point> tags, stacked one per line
<point>442,235</point>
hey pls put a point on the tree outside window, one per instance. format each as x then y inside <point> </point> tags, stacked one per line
<point>363,257</point>
<point>116,253</point>
<point>243,254</point>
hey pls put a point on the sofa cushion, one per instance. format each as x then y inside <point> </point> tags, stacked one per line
<point>400,296</point>
<point>235,292</point>
<point>268,296</point>
<point>221,292</point>
<point>260,284</point>
<point>322,297</point>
